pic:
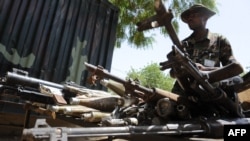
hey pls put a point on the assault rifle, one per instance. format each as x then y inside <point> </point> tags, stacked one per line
<point>18,83</point>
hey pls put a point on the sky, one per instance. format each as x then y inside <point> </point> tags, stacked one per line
<point>232,21</point>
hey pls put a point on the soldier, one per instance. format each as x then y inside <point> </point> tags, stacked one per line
<point>209,51</point>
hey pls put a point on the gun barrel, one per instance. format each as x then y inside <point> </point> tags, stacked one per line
<point>15,78</point>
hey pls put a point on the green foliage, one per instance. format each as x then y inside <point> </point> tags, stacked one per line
<point>133,11</point>
<point>152,77</point>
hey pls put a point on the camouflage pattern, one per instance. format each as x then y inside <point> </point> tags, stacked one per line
<point>52,39</point>
<point>214,50</point>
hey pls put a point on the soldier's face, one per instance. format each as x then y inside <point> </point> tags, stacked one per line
<point>196,21</point>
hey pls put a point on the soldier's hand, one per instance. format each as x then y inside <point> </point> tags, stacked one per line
<point>200,67</point>
<point>204,68</point>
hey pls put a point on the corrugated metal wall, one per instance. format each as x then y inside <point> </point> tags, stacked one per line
<point>51,39</point>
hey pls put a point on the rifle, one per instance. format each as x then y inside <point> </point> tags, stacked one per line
<point>37,90</point>
<point>132,87</point>
<point>201,128</point>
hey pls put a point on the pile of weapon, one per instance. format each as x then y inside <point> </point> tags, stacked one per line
<point>50,98</point>
<point>133,109</point>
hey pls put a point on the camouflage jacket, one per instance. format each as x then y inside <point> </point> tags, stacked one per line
<point>213,50</point>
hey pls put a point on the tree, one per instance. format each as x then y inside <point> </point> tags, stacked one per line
<point>152,77</point>
<point>133,11</point>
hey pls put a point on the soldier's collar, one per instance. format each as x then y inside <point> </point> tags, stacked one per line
<point>208,36</point>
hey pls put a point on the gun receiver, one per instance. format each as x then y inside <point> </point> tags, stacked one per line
<point>32,89</point>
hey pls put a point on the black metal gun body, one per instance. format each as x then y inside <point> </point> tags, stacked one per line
<point>32,89</point>
<point>16,78</point>
<point>25,94</point>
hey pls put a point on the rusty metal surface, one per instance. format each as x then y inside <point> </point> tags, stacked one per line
<point>52,38</point>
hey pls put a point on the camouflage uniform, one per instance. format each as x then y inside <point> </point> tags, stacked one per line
<point>214,50</point>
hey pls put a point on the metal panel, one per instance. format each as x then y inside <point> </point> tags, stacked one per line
<point>51,39</point>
